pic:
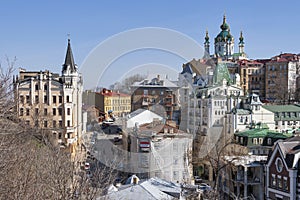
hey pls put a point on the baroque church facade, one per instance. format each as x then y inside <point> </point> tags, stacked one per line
<point>224,44</point>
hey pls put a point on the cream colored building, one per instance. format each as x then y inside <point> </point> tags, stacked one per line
<point>52,102</point>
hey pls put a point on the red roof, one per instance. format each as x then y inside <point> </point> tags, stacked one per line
<point>110,93</point>
<point>114,94</point>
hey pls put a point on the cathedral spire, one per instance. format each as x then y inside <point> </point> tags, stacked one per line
<point>206,37</point>
<point>69,60</point>
<point>241,44</point>
<point>241,38</point>
<point>206,45</point>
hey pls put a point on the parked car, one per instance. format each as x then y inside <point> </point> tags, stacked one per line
<point>204,187</point>
<point>116,139</point>
<point>93,141</point>
<point>119,130</point>
<point>198,180</point>
<point>105,125</point>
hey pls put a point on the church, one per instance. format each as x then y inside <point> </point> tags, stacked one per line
<point>224,45</point>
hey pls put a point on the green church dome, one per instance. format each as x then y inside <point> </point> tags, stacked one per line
<point>224,35</point>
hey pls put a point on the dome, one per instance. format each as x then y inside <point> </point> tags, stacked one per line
<point>224,35</point>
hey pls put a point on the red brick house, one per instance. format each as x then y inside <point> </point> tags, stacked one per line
<point>282,170</point>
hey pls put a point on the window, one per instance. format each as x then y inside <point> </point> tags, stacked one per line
<point>285,183</point>
<point>45,111</point>
<point>36,87</point>
<point>261,140</point>
<point>54,99</point>
<point>60,124</point>
<point>27,122</point>
<point>45,87</point>
<point>60,99</point>
<point>59,111</point>
<point>279,181</point>
<point>45,99</point>
<point>36,99</point>
<point>36,111</point>
<point>54,111</point>
<point>283,122</point>
<point>175,175</point>
<point>21,111</point>
<point>54,124</point>
<point>279,165</point>
<point>36,123</point>
<point>273,180</point>
<point>68,111</point>
<point>27,99</point>
<point>269,141</point>
<point>175,159</point>
<point>27,111</point>
<point>68,99</point>
<point>22,99</point>
<point>68,123</point>
<point>45,124</point>
<point>145,92</point>
<point>254,140</point>
<point>59,135</point>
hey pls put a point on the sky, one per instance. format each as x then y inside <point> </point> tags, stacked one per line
<point>35,32</point>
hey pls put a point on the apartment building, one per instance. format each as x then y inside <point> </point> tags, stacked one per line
<point>52,102</point>
<point>281,74</point>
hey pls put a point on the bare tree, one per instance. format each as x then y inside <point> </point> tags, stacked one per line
<point>31,166</point>
<point>124,85</point>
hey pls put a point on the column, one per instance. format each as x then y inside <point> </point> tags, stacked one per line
<point>245,181</point>
<point>293,184</point>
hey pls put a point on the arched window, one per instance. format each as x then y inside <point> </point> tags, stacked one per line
<point>254,140</point>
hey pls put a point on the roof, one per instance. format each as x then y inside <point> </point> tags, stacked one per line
<point>263,132</point>
<point>221,72</point>
<point>153,188</point>
<point>243,112</point>
<point>284,57</point>
<point>155,81</point>
<point>249,161</point>
<point>141,116</point>
<point>113,94</point>
<point>282,108</point>
<point>69,60</point>
<point>290,149</point>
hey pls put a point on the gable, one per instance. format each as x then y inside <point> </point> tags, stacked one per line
<point>271,163</point>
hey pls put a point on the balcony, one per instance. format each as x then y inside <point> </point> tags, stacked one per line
<point>250,179</point>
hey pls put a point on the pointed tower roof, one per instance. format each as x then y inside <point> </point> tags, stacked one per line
<point>69,60</point>
<point>220,73</point>
<point>206,38</point>
<point>241,38</point>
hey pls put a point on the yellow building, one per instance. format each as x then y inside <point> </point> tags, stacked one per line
<point>113,103</point>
